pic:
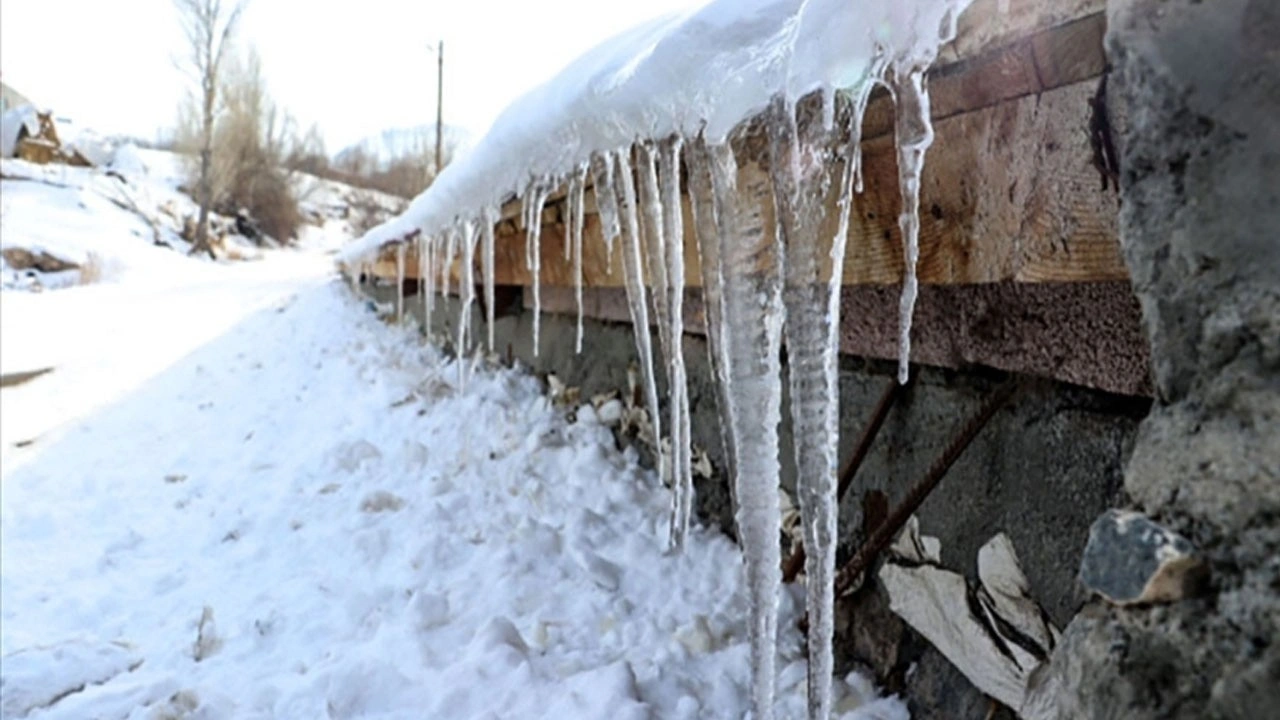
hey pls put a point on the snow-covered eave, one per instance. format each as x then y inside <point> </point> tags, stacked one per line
<point>699,72</point>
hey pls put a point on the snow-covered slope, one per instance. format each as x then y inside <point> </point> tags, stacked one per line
<point>125,216</point>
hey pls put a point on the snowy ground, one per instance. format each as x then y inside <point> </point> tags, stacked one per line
<point>239,494</point>
<point>370,540</point>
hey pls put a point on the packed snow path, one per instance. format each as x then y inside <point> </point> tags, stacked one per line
<point>293,511</point>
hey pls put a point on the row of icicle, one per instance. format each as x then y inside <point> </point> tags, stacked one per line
<point>759,290</point>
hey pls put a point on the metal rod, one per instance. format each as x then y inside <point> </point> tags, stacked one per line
<point>796,562</point>
<point>889,529</point>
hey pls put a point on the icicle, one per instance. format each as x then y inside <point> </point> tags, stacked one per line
<point>828,108</point>
<point>577,216</point>
<point>400,251</point>
<point>653,241</point>
<point>429,280</point>
<point>681,431</point>
<point>633,274</point>
<point>653,232</point>
<point>467,236</point>
<point>566,222</point>
<point>913,134</point>
<point>448,241</point>
<point>702,199</point>
<point>534,199</point>
<point>800,171</point>
<point>606,203</point>
<point>421,278</point>
<point>750,271</point>
<point>488,218</point>
<point>855,131</point>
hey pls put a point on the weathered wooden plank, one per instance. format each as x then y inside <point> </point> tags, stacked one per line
<point>1087,334</point>
<point>1008,193</point>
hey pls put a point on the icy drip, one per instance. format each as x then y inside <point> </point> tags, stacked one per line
<point>653,242</point>
<point>913,134</point>
<point>421,276</point>
<point>681,432</point>
<point>606,202</point>
<point>488,218</point>
<point>449,241</point>
<point>535,199</point>
<point>429,281</point>
<point>400,252</point>
<point>633,276</point>
<point>577,216</point>
<point>656,226</point>
<point>702,200</point>
<point>750,270</point>
<point>467,235</point>
<point>566,223</point>
<point>800,171</point>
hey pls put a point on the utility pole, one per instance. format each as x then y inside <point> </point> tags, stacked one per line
<point>439,105</point>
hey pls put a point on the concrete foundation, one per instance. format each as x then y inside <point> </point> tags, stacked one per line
<point>1200,183</point>
<point>1043,469</point>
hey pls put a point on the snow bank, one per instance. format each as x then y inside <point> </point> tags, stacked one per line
<point>704,70</point>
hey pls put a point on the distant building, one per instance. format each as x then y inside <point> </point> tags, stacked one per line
<point>10,98</point>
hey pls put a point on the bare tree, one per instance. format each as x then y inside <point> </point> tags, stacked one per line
<point>209,26</point>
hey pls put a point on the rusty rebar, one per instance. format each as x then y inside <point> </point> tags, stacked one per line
<point>888,530</point>
<point>795,563</point>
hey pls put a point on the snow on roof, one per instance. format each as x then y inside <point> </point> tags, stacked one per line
<point>702,70</point>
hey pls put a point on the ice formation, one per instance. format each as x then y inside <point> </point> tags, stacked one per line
<point>627,118</point>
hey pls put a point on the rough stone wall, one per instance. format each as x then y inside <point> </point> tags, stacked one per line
<point>1041,471</point>
<point>1200,227</point>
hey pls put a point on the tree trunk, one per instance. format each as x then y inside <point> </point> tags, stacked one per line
<point>205,189</point>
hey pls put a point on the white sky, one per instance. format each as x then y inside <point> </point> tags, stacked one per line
<point>355,67</point>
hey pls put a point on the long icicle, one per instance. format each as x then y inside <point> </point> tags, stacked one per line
<point>702,200</point>
<point>654,233</point>
<point>422,278</point>
<point>577,216</point>
<point>488,218</point>
<point>467,236</point>
<point>535,198</point>
<point>913,132</point>
<point>751,277</point>
<point>633,274</point>
<point>446,268</point>
<point>429,281</point>
<point>812,339</point>
<point>653,241</point>
<point>681,431</point>
<point>401,249</point>
<point>566,219</point>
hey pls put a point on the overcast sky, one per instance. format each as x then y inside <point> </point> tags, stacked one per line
<point>354,67</point>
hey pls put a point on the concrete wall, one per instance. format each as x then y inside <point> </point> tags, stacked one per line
<point>1043,469</point>
<point>1200,227</point>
